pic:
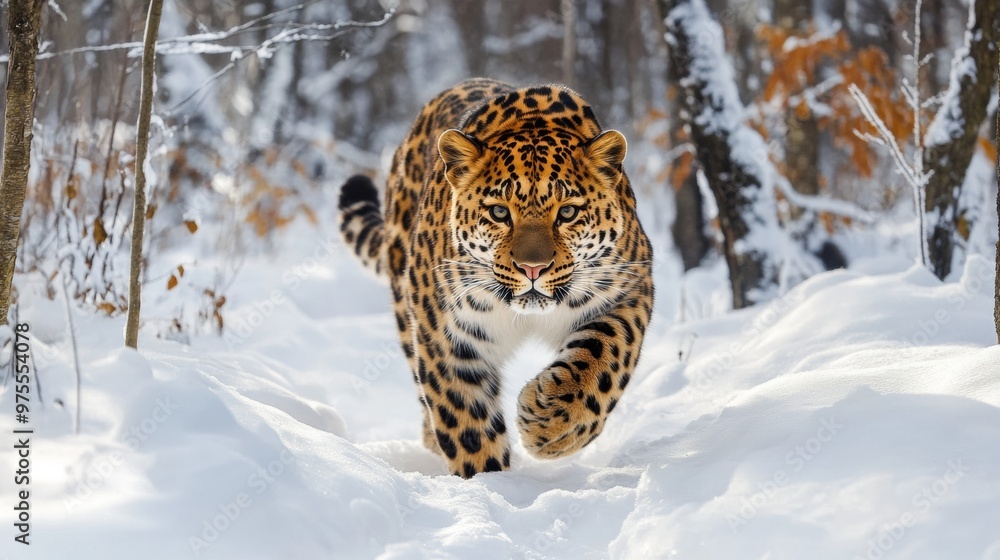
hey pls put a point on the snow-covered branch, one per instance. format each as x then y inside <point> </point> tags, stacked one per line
<point>265,49</point>
<point>541,30</point>
<point>209,43</point>
<point>885,138</point>
<point>913,172</point>
<point>822,204</point>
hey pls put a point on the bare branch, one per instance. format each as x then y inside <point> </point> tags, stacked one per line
<point>242,28</point>
<point>141,147</point>
<point>201,87</point>
<point>262,50</point>
<point>206,43</point>
<point>886,137</point>
<point>912,172</point>
<point>76,354</point>
<point>57,10</point>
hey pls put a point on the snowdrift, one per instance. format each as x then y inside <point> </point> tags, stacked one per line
<point>858,416</point>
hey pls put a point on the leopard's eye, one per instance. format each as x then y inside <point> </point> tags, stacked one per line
<point>567,213</point>
<point>499,213</point>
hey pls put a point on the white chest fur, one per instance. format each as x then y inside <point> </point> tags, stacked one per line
<point>506,330</point>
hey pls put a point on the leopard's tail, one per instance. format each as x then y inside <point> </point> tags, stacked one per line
<point>361,222</point>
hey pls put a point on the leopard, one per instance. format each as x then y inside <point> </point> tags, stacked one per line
<point>508,217</point>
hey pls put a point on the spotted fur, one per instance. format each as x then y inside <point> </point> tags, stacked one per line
<point>508,216</point>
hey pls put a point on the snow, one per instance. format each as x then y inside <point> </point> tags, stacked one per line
<point>710,66</point>
<point>978,198</point>
<point>949,120</point>
<point>856,416</point>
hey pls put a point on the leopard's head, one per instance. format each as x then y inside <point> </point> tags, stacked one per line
<point>535,214</point>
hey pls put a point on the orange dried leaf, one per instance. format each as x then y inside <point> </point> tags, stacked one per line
<point>681,170</point>
<point>963,227</point>
<point>655,114</point>
<point>827,219</point>
<point>771,87</point>
<point>172,282</point>
<point>761,129</point>
<point>802,111</point>
<point>271,156</point>
<point>310,214</point>
<point>192,226</point>
<point>988,148</point>
<point>100,234</point>
<point>106,307</point>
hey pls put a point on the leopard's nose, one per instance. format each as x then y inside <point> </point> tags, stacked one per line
<point>533,271</point>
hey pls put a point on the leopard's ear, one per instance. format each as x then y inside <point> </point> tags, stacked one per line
<point>459,152</point>
<point>607,152</point>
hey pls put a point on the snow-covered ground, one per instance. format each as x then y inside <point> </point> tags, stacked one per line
<point>858,416</point>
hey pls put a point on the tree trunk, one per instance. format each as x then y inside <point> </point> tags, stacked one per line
<point>23,22</point>
<point>996,302</point>
<point>470,21</point>
<point>688,228</point>
<point>934,36</point>
<point>689,225</point>
<point>732,155</point>
<point>568,9</point>
<point>141,148</point>
<point>951,138</point>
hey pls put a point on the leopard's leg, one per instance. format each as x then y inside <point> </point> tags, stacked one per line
<point>401,192</point>
<point>564,408</point>
<point>404,322</point>
<point>461,394</point>
<point>409,348</point>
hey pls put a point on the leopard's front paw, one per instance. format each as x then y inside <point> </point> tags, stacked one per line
<point>557,417</point>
